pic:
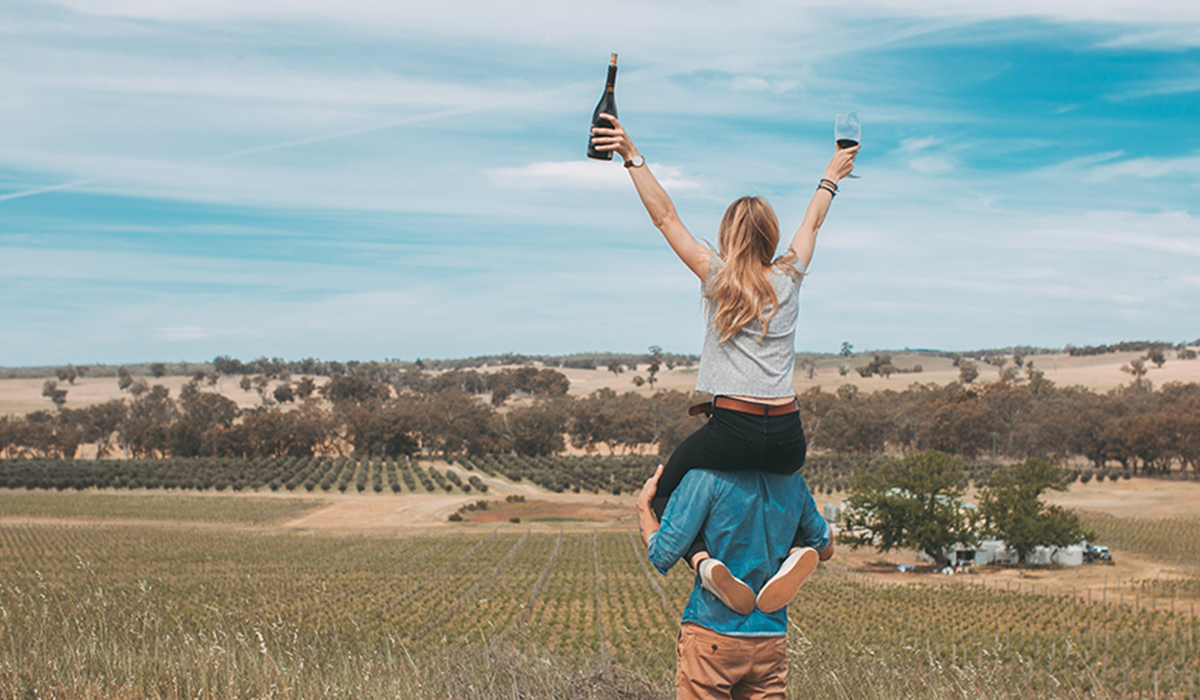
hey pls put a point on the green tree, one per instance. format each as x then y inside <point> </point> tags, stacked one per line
<point>208,409</point>
<point>158,369</point>
<point>847,349</point>
<point>226,365</point>
<point>1013,509</point>
<point>910,503</point>
<point>967,371</point>
<point>124,378</point>
<point>97,423</point>
<point>354,390</point>
<point>386,430</point>
<point>535,430</point>
<point>51,391</point>
<point>1136,367</point>
<point>808,366</point>
<point>305,386</point>
<point>655,359</point>
<point>284,393</point>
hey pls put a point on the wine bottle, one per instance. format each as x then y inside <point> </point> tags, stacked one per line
<point>846,143</point>
<point>607,105</point>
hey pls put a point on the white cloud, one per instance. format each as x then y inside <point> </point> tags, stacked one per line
<point>1157,39</point>
<point>584,175</point>
<point>913,145</point>
<point>181,334</point>
<point>745,83</point>
<point>1157,25</point>
<point>1110,167</point>
<point>1177,12</point>
<point>1122,234</point>
<point>1146,168</point>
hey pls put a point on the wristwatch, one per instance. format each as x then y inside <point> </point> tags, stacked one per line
<point>635,162</point>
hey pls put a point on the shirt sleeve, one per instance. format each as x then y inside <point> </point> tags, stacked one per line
<point>682,521</point>
<point>815,531</point>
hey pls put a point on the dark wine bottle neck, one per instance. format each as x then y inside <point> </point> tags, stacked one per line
<point>612,79</point>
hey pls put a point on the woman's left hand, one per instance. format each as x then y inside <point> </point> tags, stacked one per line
<point>841,164</point>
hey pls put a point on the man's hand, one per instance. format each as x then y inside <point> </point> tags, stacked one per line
<point>650,488</point>
<point>647,523</point>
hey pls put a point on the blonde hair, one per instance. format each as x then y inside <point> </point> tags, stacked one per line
<point>740,291</point>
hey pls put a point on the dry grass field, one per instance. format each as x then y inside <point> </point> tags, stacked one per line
<point>322,596</point>
<point>376,596</point>
<point>1099,373</point>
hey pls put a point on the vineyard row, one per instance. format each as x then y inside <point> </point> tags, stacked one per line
<point>567,593</point>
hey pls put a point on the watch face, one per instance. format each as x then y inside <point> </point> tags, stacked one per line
<point>637,161</point>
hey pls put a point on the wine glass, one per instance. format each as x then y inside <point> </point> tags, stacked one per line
<point>847,130</point>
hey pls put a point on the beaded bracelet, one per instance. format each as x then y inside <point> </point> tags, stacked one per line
<point>827,189</point>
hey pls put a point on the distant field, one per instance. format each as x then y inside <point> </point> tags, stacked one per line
<point>216,509</point>
<point>1099,372</point>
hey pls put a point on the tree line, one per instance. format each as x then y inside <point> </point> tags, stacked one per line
<point>383,370</point>
<point>1136,428</point>
<point>520,411</point>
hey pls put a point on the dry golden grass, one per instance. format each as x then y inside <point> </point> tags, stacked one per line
<point>1099,373</point>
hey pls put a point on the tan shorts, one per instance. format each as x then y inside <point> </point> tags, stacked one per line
<point>715,666</point>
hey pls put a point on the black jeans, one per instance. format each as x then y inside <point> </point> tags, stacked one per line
<point>732,441</point>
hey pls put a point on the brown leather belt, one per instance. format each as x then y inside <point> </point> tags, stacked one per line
<point>758,409</point>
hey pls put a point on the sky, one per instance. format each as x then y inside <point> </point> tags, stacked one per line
<point>370,180</point>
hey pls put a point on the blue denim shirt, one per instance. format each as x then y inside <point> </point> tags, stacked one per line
<point>748,520</point>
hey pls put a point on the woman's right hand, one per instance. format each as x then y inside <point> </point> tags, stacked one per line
<point>841,164</point>
<point>614,139</point>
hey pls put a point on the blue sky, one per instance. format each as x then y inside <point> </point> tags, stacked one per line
<point>366,180</point>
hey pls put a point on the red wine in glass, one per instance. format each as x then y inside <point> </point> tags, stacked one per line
<point>847,131</point>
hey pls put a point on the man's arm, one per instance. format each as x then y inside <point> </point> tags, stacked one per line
<point>816,532</point>
<point>647,523</point>
<point>682,521</point>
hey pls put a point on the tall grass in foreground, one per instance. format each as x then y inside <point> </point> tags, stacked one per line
<point>124,642</point>
<point>175,612</point>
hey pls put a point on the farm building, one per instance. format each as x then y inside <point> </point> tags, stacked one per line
<point>987,551</point>
<point>997,552</point>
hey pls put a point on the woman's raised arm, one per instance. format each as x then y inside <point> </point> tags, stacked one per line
<point>805,240</point>
<point>658,204</point>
